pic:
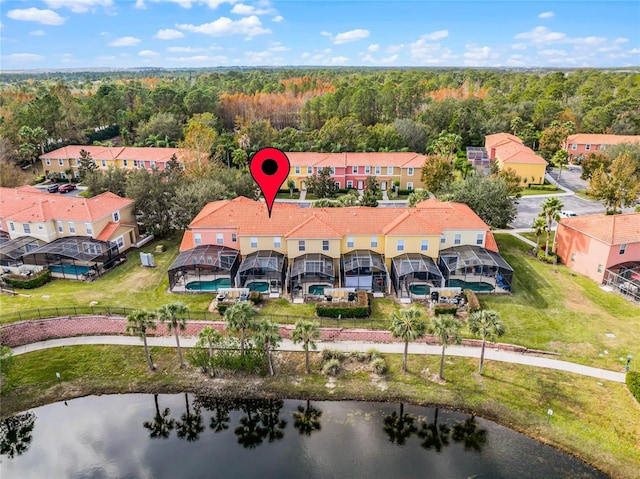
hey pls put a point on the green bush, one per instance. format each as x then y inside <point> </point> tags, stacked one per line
<point>331,368</point>
<point>633,383</point>
<point>361,308</point>
<point>546,258</point>
<point>378,366</point>
<point>543,187</point>
<point>329,354</point>
<point>472,300</point>
<point>38,180</point>
<point>223,305</point>
<point>445,309</point>
<point>373,354</point>
<point>255,297</point>
<point>28,282</point>
<point>360,356</point>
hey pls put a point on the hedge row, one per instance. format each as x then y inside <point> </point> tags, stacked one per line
<point>472,300</point>
<point>445,309</point>
<point>633,383</point>
<point>361,308</point>
<point>543,187</point>
<point>28,282</point>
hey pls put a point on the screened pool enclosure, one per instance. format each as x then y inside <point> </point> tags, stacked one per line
<point>311,273</point>
<point>205,268</point>
<point>475,268</point>
<point>263,271</point>
<point>414,274</point>
<point>364,269</point>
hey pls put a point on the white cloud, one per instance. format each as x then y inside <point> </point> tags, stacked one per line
<point>546,15</point>
<point>541,35</point>
<point>277,18</point>
<point>588,41</point>
<point>479,56</point>
<point>200,59</point>
<point>223,27</point>
<point>46,17</point>
<point>140,5</point>
<point>25,57</point>
<point>337,60</point>
<point>305,55</point>
<point>620,40</point>
<point>278,47</point>
<point>168,34</point>
<point>124,42</point>
<point>350,36</point>
<point>185,49</point>
<point>373,47</point>
<point>78,6</point>
<point>550,52</point>
<point>438,35</point>
<point>37,33</point>
<point>394,48</point>
<point>105,58</point>
<point>519,46</point>
<point>634,51</point>
<point>148,53</point>
<point>242,9</point>
<point>213,4</point>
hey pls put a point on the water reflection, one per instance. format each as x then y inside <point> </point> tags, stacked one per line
<point>399,427</point>
<point>162,423</point>
<point>15,434</point>
<point>190,425</point>
<point>307,419</point>
<point>434,435</point>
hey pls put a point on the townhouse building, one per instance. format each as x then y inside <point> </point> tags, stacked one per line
<point>508,151</point>
<point>581,144</point>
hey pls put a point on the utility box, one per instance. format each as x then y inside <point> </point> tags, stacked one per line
<point>146,259</point>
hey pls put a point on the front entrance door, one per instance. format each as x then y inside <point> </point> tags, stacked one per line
<point>383,186</point>
<point>360,185</point>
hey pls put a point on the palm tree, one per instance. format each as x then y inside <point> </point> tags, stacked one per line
<point>270,416</point>
<point>190,426</point>
<point>551,210</point>
<point>407,325</point>
<point>469,434</point>
<point>485,324</point>
<point>399,427</point>
<point>447,329</point>
<point>239,318</point>
<point>138,322</point>
<point>306,332</point>
<point>251,433</point>
<point>434,435</point>
<point>306,420</point>
<point>162,423</point>
<point>174,315</point>
<point>209,336</point>
<point>268,339</point>
<point>539,227</point>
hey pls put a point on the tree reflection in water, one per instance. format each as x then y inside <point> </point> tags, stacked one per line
<point>399,427</point>
<point>307,419</point>
<point>220,407</point>
<point>15,434</point>
<point>190,426</point>
<point>469,434</point>
<point>434,435</point>
<point>162,424</point>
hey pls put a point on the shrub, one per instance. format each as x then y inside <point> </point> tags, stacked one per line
<point>543,187</point>
<point>361,308</point>
<point>328,354</point>
<point>547,258</point>
<point>28,282</point>
<point>255,297</point>
<point>223,305</point>
<point>378,366</point>
<point>472,300</point>
<point>633,383</point>
<point>360,356</point>
<point>445,309</point>
<point>373,354</point>
<point>331,368</point>
<point>38,179</point>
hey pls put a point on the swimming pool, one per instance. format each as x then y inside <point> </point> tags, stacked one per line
<point>317,289</point>
<point>473,286</point>
<point>419,289</point>
<point>260,286</point>
<point>68,268</point>
<point>209,285</point>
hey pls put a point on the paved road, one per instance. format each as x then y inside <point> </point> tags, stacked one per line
<point>395,348</point>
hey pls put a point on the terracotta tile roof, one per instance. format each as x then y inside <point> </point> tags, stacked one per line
<point>187,241</point>
<point>598,139</point>
<point>510,149</point>
<point>18,204</point>
<point>411,223</point>
<point>398,159</point>
<point>73,151</point>
<point>449,215</point>
<point>107,232</point>
<point>312,227</point>
<point>150,154</point>
<point>490,242</point>
<point>500,139</point>
<point>609,229</point>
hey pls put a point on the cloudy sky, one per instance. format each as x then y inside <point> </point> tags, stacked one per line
<point>209,33</point>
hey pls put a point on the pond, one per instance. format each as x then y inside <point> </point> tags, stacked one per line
<point>173,436</point>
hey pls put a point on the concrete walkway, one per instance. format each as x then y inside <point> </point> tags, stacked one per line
<point>393,348</point>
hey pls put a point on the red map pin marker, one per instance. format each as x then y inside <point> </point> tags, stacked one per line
<point>269,168</point>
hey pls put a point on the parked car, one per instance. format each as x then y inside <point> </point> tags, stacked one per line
<point>53,188</point>
<point>66,188</point>
<point>567,214</point>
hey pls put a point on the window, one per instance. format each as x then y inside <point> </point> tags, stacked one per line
<point>480,239</point>
<point>374,241</point>
<point>77,162</point>
<point>89,229</point>
<point>309,170</point>
<point>410,185</point>
<point>457,239</point>
<point>253,242</point>
<point>301,245</point>
<point>125,163</point>
<point>135,163</point>
<point>120,242</point>
<point>26,227</point>
<point>219,238</point>
<point>60,162</point>
<point>337,183</point>
<point>234,238</point>
<point>377,170</point>
<point>400,246</point>
<point>354,170</point>
<point>63,175</point>
<point>116,216</point>
<point>152,164</point>
<point>573,257</point>
<point>443,239</point>
<point>409,171</point>
<point>104,163</point>
<point>48,161</point>
<point>277,242</point>
<point>424,245</point>
<point>623,248</point>
<point>599,268</point>
<point>349,184</point>
<point>141,164</point>
<point>325,245</point>
<point>72,227</point>
<point>12,227</point>
<point>297,170</point>
<point>367,170</point>
<point>333,170</point>
<point>60,227</point>
<point>90,248</point>
<point>40,227</point>
<point>587,147</point>
<point>197,238</point>
<point>350,242</point>
<point>389,170</point>
<point>574,146</point>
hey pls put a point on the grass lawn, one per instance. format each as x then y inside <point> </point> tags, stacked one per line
<point>543,237</point>
<point>530,192</point>
<point>287,195</point>
<point>597,422</point>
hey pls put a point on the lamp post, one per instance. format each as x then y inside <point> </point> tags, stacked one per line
<point>629,358</point>
<point>549,414</point>
<point>58,376</point>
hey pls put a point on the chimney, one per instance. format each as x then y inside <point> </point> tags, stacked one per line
<point>492,153</point>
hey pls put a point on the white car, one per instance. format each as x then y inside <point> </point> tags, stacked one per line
<point>567,214</point>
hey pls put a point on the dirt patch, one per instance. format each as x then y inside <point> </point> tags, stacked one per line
<point>379,382</point>
<point>432,377</point>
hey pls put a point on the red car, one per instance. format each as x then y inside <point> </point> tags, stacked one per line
<point>66,188</point>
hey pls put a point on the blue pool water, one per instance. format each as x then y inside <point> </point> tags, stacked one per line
<point>317,289</point>
<point>260,286</point>
<point>209,285</point>
<point>68,268</point>
<point>420,289</point>
<point>480,287</point>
